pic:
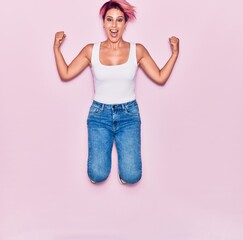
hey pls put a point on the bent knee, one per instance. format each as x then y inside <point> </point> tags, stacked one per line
<point>98,175</point>
<point>131,177</point>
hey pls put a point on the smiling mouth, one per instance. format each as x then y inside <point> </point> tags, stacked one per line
<point>114,32</point>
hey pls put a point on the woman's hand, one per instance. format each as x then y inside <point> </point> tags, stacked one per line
<point>59,38</point>
<point>174,43</point>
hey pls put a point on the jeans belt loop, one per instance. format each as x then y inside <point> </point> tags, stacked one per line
<point>102,107</point>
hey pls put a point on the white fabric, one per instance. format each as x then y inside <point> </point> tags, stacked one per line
<point>114,84</point>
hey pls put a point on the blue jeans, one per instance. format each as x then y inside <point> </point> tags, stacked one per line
<point>120,123</point>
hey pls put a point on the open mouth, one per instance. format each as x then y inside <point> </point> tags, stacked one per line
<point>114,32</point>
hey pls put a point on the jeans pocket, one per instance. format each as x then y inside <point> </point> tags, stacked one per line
<point>94,109</point>
<point>132,110</point>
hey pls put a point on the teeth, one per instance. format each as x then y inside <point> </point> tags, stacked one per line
<point>114,31</point>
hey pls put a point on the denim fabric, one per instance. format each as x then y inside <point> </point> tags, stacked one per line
<point>120,123</point>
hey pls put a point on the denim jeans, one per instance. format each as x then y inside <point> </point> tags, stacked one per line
<point>119,123</point>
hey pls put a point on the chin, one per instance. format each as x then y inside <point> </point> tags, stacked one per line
<point>114,40</point>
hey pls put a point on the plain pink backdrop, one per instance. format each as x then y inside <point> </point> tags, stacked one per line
<point>192,134</point>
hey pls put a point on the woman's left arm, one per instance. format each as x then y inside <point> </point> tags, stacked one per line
<point>146,62</point>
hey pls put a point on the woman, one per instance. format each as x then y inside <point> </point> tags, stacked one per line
<point>114,114</point>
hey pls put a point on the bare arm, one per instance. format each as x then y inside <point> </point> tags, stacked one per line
<point>145,61</point>
<point>79,63</point>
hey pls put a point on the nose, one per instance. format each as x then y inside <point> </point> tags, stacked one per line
<point>113,23</point>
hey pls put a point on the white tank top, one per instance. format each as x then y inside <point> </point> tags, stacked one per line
<point>114,84</point>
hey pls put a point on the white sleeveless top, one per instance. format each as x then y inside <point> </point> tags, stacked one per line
<point>114,84</point>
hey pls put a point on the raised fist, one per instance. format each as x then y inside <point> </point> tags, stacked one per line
<point>59,38</point>
<point>174,43</point>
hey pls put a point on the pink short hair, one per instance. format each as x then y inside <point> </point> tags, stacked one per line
<point>127,9</point>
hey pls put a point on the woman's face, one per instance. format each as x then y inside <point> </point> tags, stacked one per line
<point>114,24</point>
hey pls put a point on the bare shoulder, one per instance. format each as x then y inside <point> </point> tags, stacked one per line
<point>89,46</point>
<point>87,51</point>
<point>141,51</point>
<point>140,47</point>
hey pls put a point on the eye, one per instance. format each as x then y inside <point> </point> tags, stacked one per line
<point>108,19</point>
<point>120,20</point>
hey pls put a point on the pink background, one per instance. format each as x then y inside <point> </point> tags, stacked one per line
<point>192,134</point>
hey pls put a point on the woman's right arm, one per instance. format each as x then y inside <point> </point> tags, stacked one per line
<point>79,63</point>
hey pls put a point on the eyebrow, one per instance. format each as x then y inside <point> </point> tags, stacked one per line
<point>117,17</point>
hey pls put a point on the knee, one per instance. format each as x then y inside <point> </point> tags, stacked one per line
<point>98,175</point>
<point>131,176</point>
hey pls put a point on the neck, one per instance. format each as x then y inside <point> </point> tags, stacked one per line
<point>114,45</point>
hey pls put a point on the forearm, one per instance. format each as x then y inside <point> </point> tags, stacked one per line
<point>62,66</point>
<point>166,71</point>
